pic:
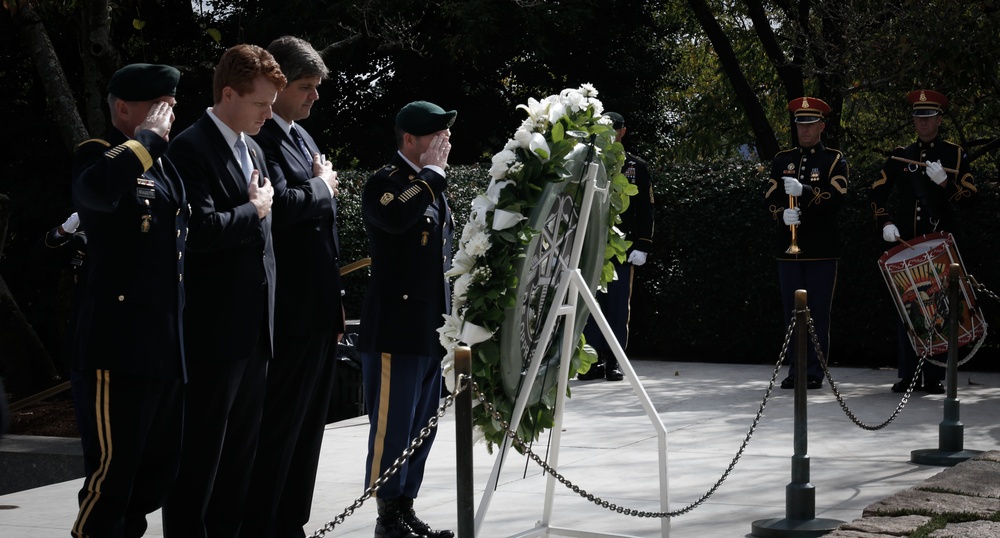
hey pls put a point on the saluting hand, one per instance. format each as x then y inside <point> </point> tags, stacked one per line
<point>438,150</point>
<point>159,120</point>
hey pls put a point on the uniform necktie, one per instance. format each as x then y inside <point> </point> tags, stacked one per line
<point>244,153</point>
<point>301,143</point>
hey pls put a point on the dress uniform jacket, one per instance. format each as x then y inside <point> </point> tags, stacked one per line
<point>305,237</point>
<point>230,255</point>
<point>923,206</point>
<point>825,171</point>
<point>637,220</point>
<point>407,220</point>
<point>132,205</point>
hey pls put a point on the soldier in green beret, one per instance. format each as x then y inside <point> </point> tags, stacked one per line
<point>409,227</point>
<point>129,365</point>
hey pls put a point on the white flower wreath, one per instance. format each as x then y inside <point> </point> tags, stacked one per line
<point>496,234</point>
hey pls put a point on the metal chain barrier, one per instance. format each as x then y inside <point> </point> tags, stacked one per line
<point>631,511</point>
<point>840,399</point>
<point>981,288</point>
<point>425,432</point>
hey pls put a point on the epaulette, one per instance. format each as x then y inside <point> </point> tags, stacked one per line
<point>789,150</point>
<point>98,141</point>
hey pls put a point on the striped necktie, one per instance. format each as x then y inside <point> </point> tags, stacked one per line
<point>301,143</point>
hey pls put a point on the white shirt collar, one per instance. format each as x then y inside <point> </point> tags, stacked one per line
<point>285,125</point>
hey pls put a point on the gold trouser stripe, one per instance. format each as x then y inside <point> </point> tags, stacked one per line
<point>382,418</point>
<point>102,410</point>
<point>628,305</point>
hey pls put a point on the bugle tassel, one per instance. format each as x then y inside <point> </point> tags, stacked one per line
<point>794,247</point>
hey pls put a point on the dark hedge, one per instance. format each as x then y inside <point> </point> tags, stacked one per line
<point>709,290</point>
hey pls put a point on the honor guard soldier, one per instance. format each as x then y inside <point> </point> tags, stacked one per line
<point>409,227</point>
<point>806,188</point>
<point>129,370</point>
<point>637,225</point>
<point>929,177</point>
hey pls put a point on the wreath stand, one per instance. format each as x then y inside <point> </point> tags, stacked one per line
<point>571,286</point>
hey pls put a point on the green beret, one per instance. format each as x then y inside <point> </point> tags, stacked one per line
<point>144,82</point>
<point>617,120</point>
<point>421,118</point>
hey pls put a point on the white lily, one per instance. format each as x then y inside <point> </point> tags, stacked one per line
<point>473,334</point>
<point>503,219</point>
<point>462,263</point>
<point>539,147</point>
<point>480,205</point>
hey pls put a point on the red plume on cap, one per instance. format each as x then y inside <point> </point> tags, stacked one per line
<point>927,102</point>
<point>808,109</point>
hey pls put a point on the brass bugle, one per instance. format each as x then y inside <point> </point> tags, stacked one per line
<point>794,247</point>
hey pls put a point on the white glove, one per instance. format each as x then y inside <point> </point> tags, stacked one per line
<point>890,233</point>
<point>791,216</point>
<point>71,224</point>
<point>936,172</point>
<point>637,258</point>
<point>792,186</point>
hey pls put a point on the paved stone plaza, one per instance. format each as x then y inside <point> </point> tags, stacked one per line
<point>609,448</point>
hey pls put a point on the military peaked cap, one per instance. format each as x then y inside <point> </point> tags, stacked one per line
<point>927,102</point>
<point>808,109</point>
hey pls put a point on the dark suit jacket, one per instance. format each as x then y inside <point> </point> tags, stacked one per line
<point>305,237</point>
<point>132,207</point>
<point>231,271</point>
<point>410,249</point>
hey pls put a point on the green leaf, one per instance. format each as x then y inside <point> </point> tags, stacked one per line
<point>214,34</point>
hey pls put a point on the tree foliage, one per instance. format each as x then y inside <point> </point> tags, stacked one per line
<point>698,80</point>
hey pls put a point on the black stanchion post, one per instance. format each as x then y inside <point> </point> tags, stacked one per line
<point>951,431</point>
<point>463,446</point>
<point>800,494</point>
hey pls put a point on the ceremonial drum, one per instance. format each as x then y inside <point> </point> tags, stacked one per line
<point>917,276</point>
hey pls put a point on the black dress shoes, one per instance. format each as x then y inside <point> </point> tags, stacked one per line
<point>901,386</point>
<point>934,387</point>
<point>811,383</point>
<point>596,372</point>
<point>611,370</point>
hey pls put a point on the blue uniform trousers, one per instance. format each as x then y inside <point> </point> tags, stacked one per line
<point>818,278</point>
<point>402,393</point>
<point>616,307</point>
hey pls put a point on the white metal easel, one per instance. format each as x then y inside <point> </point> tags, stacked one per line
<point>570,287</point>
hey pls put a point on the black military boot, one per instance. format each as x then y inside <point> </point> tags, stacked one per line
<point>390,523</point>
<point>611,370</point>
<point>411,519</point>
